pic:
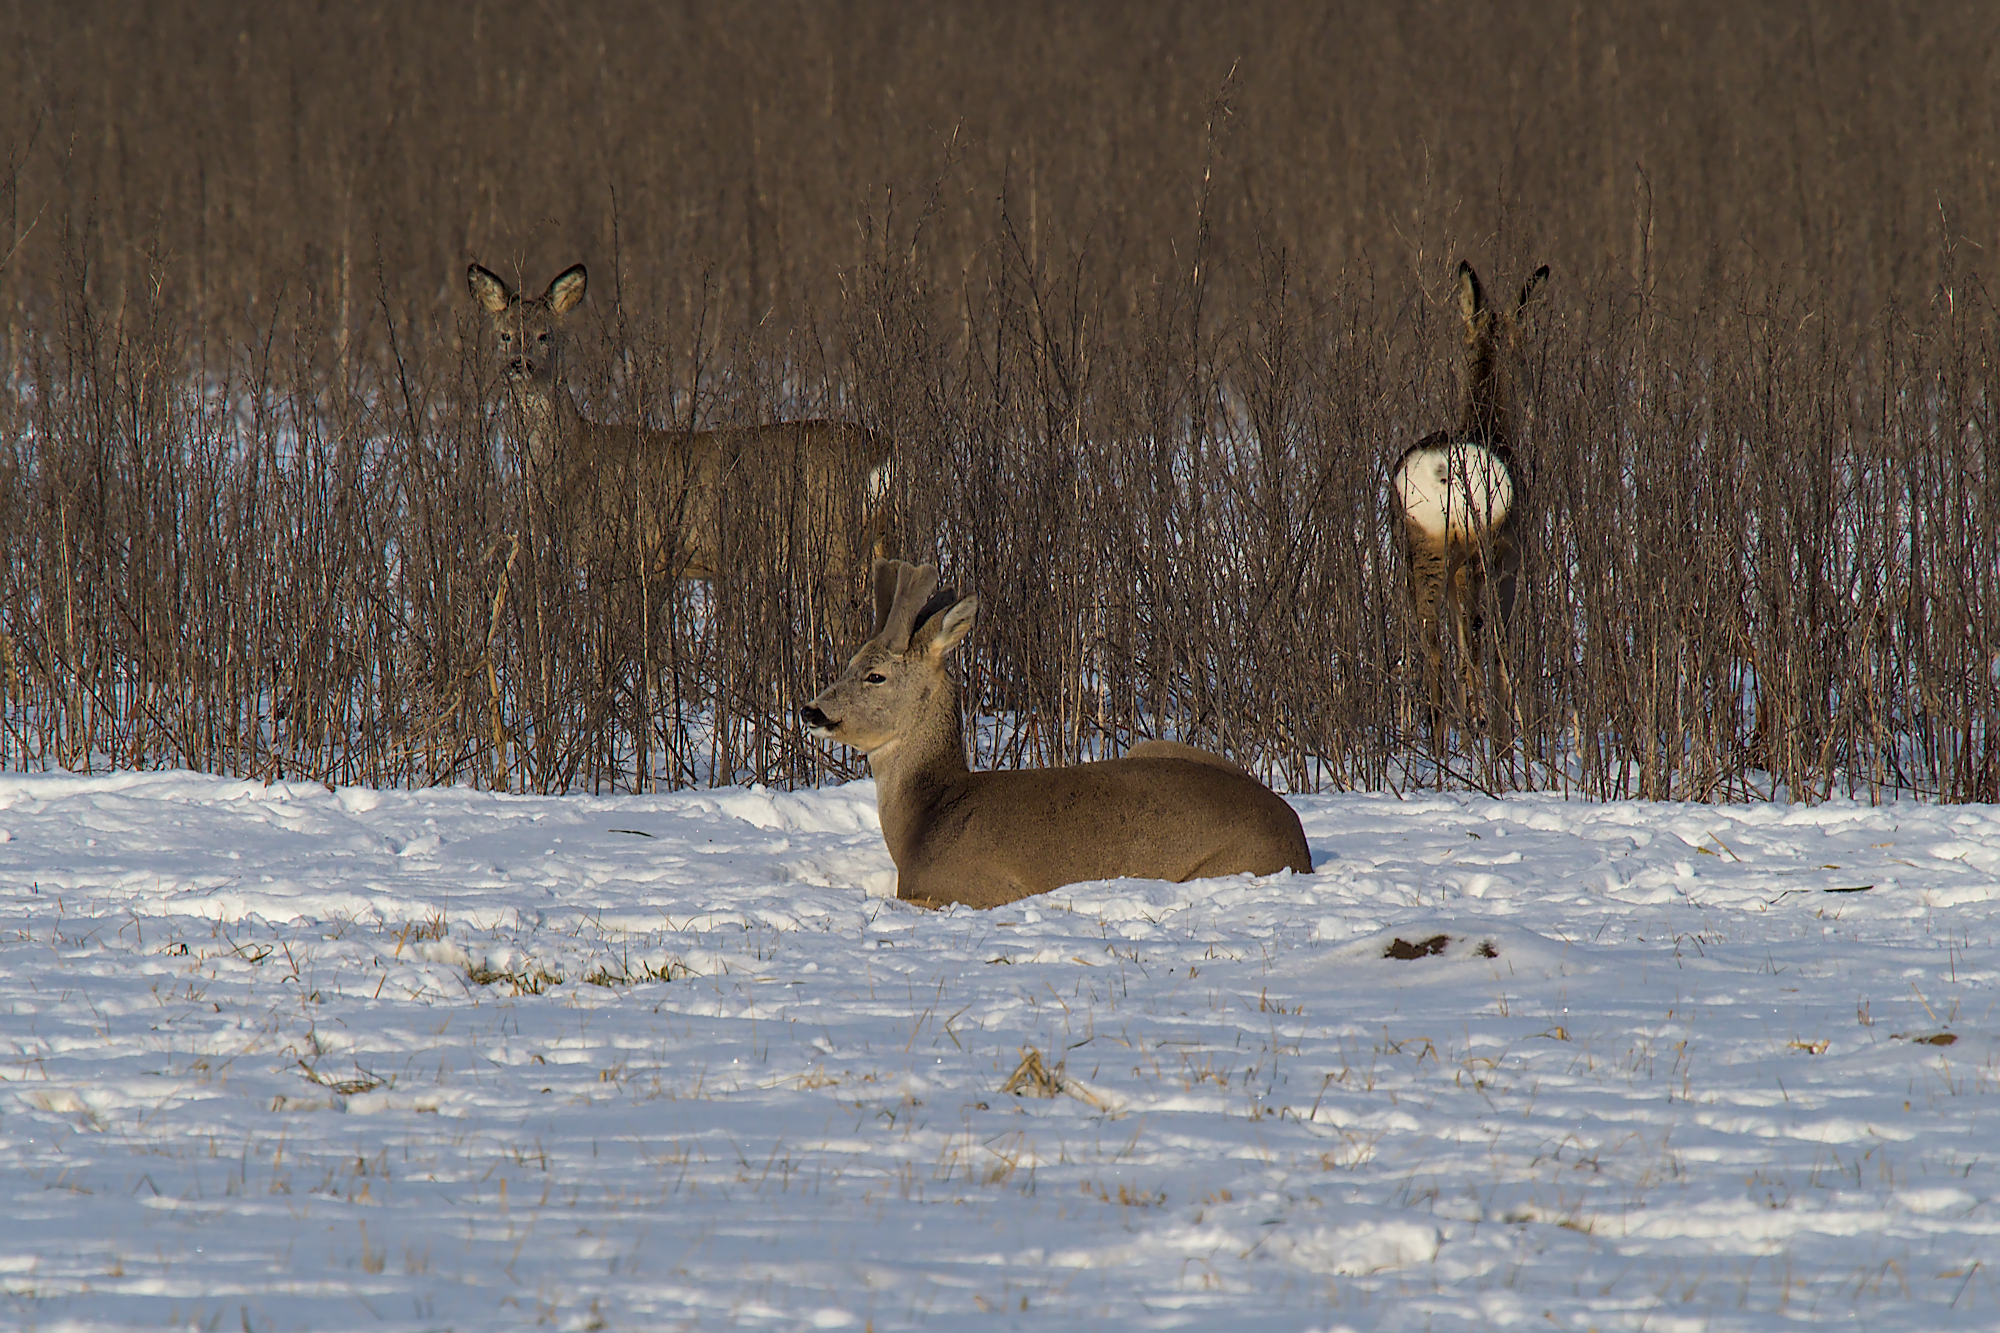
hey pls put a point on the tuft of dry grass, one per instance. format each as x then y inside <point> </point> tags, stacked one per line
<point>1032,1078</point>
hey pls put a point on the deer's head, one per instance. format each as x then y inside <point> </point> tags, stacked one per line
<point>897,678</point>
<point>524,343</point>
<point>1495,360</point>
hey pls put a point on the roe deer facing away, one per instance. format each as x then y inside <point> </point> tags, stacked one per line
<point>1164,811</point>
<point>666,486</point>
<point>1457,498</point>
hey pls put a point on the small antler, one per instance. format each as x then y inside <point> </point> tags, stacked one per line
<point>884,579</point>
<point>899,606</point>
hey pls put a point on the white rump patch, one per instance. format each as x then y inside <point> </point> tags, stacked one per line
<point>1457,490</point>
<point>878,483</point>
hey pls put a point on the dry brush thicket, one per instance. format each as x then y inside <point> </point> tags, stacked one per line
<point>1148,297</point>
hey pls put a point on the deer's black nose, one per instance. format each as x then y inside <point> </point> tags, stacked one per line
<point>812,717</point>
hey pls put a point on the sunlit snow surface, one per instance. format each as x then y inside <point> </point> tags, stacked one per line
<point>249,1084</point>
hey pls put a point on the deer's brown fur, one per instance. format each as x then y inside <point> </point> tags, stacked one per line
<point>1164,811</point>
<point>606,483</point>
<point>1457,497</point>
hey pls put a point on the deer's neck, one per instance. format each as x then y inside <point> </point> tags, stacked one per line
<point>547,414</point>
<point>1488,411</point>
<point>919,770</point>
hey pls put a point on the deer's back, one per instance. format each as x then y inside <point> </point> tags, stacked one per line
<point>998,836</point>
<point>686,488</point>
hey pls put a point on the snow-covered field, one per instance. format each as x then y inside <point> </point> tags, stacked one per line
<point>285,1058</point>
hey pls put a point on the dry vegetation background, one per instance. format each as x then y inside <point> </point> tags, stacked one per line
<point>1148,295</point>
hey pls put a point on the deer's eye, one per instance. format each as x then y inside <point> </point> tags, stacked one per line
<point>875,678</point>
<point>541,337</point>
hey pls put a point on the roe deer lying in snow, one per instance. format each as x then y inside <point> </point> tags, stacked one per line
<point>1457,498</point>
<point>1164,811</point>
<point>666,486</point>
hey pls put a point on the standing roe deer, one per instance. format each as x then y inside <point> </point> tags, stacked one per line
<point>667,485</point>
<point>1458,498</point>
<point>1164,811</point>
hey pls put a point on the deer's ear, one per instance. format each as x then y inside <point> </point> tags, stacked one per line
<point>1471,300</point>
<point>567,289</point>
<point>947,629</point>
<point>487,289</point>
<point>1531,289</point>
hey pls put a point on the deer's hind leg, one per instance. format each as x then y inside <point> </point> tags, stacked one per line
<point>1429,577</point>
<point>1468,587</point>
<point>1503,679</point>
